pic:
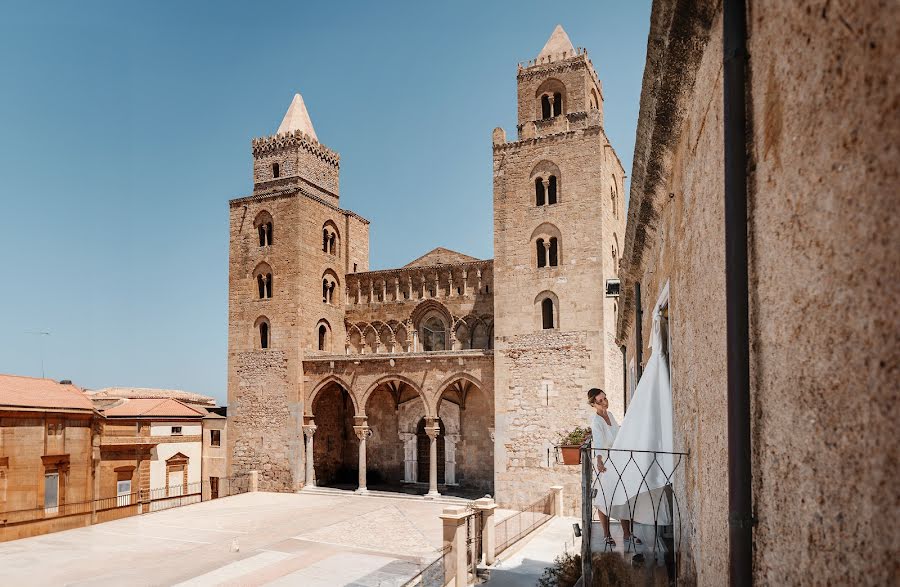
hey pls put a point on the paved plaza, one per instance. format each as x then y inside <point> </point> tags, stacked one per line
<point>252,539</point>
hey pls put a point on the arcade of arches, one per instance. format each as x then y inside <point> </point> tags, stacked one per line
<point>423,423</point>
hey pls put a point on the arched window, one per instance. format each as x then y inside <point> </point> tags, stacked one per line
<point>323,336</point>
<point>547,314</point>
<point>276,170</point>
<point>546,110</point>
<point>263,275</point>
<point>330,238</point>
<point>329,285</point>
<point>547,245</point>
<point>557,104</point>
<point>434,334</point>
<point>546,177</point>
<point>551,95</point>
<point>546,311</point>
<point>263,224</point>
<point>264,284</point>
<point>264,330</point>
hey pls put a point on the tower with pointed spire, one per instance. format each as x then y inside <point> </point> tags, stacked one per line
<point>559,217</point>
<point>291,248</point>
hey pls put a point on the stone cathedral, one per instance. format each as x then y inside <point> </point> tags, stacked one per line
<point>449,374</point>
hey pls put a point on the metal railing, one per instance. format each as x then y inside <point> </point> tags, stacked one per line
<point>434,573</point>
<point>155,500</point>
<point>634,487</point>
<point>512,529</point>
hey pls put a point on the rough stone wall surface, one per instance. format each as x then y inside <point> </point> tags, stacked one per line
<point>579,352</point>
<point>385,451</point>
<point>823,355</point>
<point>335,442</point>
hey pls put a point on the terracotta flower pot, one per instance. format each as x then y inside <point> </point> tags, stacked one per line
<point>571,455</point>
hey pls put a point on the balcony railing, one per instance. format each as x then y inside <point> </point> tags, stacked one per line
<point>635,490</point>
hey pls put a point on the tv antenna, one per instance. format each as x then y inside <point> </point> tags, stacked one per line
<point>40,334</point>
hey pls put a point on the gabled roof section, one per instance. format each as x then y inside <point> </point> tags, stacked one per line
<point>557,44</point>
<point>297,118</point>
<point>152,408</point>
<point>440,256</point>
<point>32,392</point>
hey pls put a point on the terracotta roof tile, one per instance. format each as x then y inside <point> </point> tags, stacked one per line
<point>188,397</point>
<point>150,408</point>
<point>32,392</point>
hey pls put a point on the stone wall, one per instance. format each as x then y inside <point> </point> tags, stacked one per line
<point>823,386</point>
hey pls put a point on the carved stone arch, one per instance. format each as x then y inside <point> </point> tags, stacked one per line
<point>326,345</point>
<point>261,268</point>
<point>311,402</point>
<point>539,301</point>
<point>551,87</point>
<point>543,235</point>
<point>406,380</point>
<point>460,384</point>
<point>262,217</point>
<point>427,307</point>
<point>331,228</point>
<point>353,329</point>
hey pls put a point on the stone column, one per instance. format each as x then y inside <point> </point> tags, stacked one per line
<point>308,431</point>
<point>415,341</point>
<point>479,281</point>
<point>437,284</point>
<point>384,290</point>
<point>450,441</point>
<point>410,457</point>
<point>362,432</point>
<point>547,253</point>
<point>396,289</point>
<point>371,291</point>
<point>358,291</point>
<point>450,291</point>
<point>465,282</point>
<point>487,506</point>
<point>254,481</point>
<point>456,571</point>
<point>432,429</point>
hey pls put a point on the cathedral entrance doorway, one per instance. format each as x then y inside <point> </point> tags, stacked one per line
<point>423,452</point>
<point>336,448</point>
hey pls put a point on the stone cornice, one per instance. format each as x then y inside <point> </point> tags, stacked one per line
<point>296,139</point>
<point>468,353</point>
<point>548,138</point>
<point>420,269</point>
<point>290,192</point>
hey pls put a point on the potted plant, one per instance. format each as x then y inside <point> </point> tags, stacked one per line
<point>570,445</point>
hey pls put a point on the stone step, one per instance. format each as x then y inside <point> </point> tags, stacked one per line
<point>446,499</point>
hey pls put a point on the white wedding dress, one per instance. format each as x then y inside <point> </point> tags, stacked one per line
<point>633,485</point>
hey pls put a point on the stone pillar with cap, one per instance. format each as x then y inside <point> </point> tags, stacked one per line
<point>456,571</point>
<point>486,506</point>
<point>362,433</point>
<point>432,429</point>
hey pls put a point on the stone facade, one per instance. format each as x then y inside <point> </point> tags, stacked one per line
<point>389,376</point>
<point>823,281</point>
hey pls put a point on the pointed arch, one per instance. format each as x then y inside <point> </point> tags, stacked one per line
<point>317,389</point>
<point>407,381</point>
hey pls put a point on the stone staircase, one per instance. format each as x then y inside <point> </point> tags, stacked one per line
<point>333,491</point>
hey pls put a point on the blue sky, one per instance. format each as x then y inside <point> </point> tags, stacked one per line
<point>125,129</point>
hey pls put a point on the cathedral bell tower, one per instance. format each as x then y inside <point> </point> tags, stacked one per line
<point>558,219</point>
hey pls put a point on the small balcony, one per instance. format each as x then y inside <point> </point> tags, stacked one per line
<point>630,509</point>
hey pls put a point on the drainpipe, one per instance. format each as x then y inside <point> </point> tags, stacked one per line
<point>740,521</point>
<point>624,379</point>
<point>638,334</point>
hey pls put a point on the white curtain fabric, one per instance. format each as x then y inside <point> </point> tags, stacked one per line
<point>632,487</point>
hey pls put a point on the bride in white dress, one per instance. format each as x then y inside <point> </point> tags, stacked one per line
<point>604,429</point>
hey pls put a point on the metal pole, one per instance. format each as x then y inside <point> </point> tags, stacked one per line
<point>586,514</point>
<point>638,332</point>
<point>734,33</point>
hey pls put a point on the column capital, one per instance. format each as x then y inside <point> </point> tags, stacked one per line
<point>362,432</point>
<point>309,430</point>
<point>432,432</point>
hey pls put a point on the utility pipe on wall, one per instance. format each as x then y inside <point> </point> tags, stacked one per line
<point>740,520</point>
